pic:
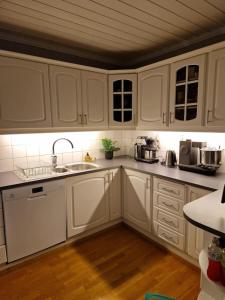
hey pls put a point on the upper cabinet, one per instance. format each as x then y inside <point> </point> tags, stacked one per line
<point>187,92</point>
<point>95,99</point>
<point>66,99</point>
<point>24,94</point>
<point>79,98</point>
<point>215,110</point>
<point>153,92</point>
<point>122,100</point>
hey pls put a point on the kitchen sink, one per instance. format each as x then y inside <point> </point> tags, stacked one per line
<point>60,170</point>
<point>81,166</point>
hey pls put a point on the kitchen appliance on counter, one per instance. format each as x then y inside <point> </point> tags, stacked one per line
<point>35,218</point>
<point>196,157</point>
<point>171,159</point>
<point>145,149</point>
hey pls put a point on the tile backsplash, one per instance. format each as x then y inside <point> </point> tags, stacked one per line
<point>28,149</point>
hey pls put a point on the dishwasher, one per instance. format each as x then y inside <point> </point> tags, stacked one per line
<point>35,218</point>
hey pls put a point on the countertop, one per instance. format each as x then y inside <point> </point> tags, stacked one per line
<point>215,182</point>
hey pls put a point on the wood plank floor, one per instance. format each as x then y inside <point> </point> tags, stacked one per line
<point>117,264</point>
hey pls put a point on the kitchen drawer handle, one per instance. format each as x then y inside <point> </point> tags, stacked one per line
<point>147,183</point>
<point>169,190</point>
<point>81,119</point>
<point>170,238</point>
<point>85,119</point>
<point>169,222</point>
<point>169,205</point>
<point>208,116</point>
<point>171,114</point>
<point>164,120</point>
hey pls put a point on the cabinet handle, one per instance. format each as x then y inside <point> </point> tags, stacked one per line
<point>81,119</point>
<point>208,116</point>
<point>147,183</point>
<point>169,205</point>
<point>169,191</point>
<point>171,115</point>
<point>170,238</point>
<point>111,176</point>
<point>169,222</point>
<point>85,119</point>
<point>164,119</point>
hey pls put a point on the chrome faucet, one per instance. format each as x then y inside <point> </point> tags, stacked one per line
<point>54,157</point>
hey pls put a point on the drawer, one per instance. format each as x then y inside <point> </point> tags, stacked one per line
<point>169,188</point>
<point>3,257</point>
<point>170,204</point>
<point>174,222</point>
<point>2,236</point>
<point>171,237</point>
<point>1,218</point>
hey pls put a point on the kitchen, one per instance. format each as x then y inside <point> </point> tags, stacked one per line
<point>76,223</point>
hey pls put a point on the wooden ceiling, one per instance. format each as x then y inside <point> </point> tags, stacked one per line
<point>119,32</point>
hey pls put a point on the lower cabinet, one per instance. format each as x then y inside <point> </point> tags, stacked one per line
<point>90,200</point>
<point>137,198</point>
<point>195,236</point>
<point>3,257</point>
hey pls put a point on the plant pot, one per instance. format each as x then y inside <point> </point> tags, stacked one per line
<point>108,154</point>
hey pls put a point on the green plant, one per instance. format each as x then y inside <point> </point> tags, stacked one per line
<point>109,145</point>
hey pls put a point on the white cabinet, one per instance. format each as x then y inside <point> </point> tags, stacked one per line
<point>87,201</point>
<point>137,198</point>
<point>79,98</point>
<point>215,93</point>
<point>3,257</point>
<point>187,92</point>
<point>153,92</point>
<point>94,99</point>
<point>24,94</point>
<point>195,235</point>
<point>66,99</point>
<point>115,203</point>
<point>122,100</point>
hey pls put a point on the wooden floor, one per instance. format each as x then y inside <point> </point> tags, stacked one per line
<point>115,265</point>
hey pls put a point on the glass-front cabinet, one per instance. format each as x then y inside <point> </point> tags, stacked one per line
<point>186,92</point>
<point>122,99</point>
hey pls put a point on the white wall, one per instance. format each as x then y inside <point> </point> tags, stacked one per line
<point>170,140</point>
<point>28,149</point>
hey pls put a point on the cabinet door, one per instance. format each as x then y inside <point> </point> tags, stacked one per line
<point>95,99</point>
<point>187,92</point>
<point>137,198</point>
<point>215,112</point>
<point>87,202</point>
<point>122,100</point>
<point>153,97</point>
<point>115,194</point>
<point>195,237</point>
<point>66,96</point>
<point>24,94</point>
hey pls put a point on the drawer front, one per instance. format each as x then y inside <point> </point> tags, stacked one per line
<point>2,236</point>
<point>169,188</point>
<point>1,218</point>
<point>170,204</point>
<point>173,238</point>
<point>169,220</point>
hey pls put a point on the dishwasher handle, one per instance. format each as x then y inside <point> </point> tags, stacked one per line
<point>36,197</point>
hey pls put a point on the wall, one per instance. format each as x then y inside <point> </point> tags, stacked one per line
<point>170,140</point>
<point>28,149</point>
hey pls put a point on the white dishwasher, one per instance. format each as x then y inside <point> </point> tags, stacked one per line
<point>35,218</point>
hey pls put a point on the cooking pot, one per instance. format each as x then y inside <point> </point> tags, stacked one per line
<point>211,157</point>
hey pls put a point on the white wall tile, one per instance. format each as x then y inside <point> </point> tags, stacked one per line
<point>6,152</point>
<point>6,165</point>
<point>5,140</point>
<point>19,151</point>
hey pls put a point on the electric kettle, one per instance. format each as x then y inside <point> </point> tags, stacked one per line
<point>170,160</point>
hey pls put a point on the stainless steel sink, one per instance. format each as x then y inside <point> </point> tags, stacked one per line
<point>60,170</point>
<point>81,166</point>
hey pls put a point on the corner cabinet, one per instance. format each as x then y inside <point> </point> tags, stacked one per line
<point>79,98</point>
<point>153,92</point>
<point>195,235</point>
<point>122,100</point>
<point>24,94</point>
<point>187,92</point>
<point>215,109</point>
<point>137,199</point>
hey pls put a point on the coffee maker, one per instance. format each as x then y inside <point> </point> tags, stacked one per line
<point>145,149</point>
<point>190,158</point>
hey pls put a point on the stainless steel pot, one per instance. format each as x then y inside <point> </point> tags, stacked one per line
<point>211,157</point>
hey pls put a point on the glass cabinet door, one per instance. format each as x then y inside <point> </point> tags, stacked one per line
<point>186,95</point>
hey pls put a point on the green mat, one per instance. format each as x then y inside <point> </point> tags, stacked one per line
<point>150,296</point>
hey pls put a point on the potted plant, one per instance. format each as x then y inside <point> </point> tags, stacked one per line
<point>109,147</point>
